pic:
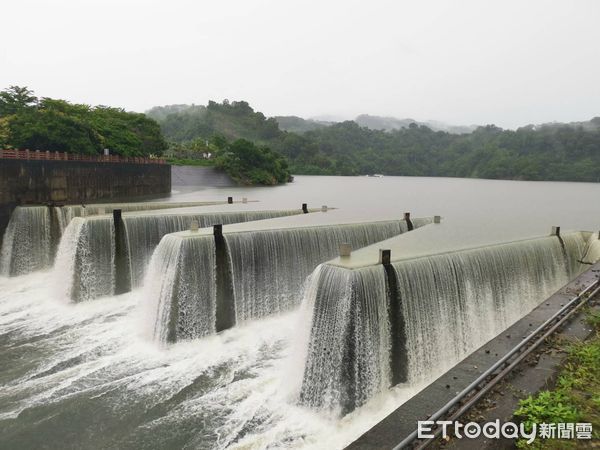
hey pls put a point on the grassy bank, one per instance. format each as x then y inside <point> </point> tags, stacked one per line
<point>574,399</point>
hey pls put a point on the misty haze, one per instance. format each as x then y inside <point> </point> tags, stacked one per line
<point>301,225</point>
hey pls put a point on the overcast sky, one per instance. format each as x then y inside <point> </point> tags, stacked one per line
<point>463,62</point>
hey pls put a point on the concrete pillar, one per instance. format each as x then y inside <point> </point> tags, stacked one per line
<point>230,200</point>
<point>385,256</point>
<point>218,230</point>
<point>122,278</point>
<point>225,301</point>
<point>345,250</point>
<point>555,231</point>
<point>437,219</point>
<point>194,226</point>
<point>324,208</point>
<point>409,223</point>
<point>398,348</point>
<point>304,208</point>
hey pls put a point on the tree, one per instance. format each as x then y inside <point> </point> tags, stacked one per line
<point>15,99</point>
<point>547,152</point>
<point>248,163</point>
<point>47,129</point>
<point>57,125</point>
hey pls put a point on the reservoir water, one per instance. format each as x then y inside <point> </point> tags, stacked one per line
<point>86,375</point>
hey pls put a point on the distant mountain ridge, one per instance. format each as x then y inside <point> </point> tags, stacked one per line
<point>588,125</point>
<point>391,146</point>
<point>300,125</point>
<point>297,124</point>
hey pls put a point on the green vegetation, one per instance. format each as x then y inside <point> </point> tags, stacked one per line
<point>392,123</point>
<point>298,124</point>
<point>57,125</point>
<point>250,164</point>
<point>561,152</point>
<point>191,162</point>
<point>576,397</point>
<point>233,120</point>
<point>200,135</point>
<point>192,153</point>
<point>232,133</point>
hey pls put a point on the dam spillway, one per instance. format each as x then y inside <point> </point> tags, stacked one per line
<point>372,325</point>
<point>92,261</point>
<point>27,243</point>
<point>237,388</point>
<point>34,232</point>
<point>260,272</point>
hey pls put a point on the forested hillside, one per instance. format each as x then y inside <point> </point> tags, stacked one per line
<point>553,151</point>
<point>231,120</point>
<point>298,124</point>
<point>569,152</point>
<point>57,125</point>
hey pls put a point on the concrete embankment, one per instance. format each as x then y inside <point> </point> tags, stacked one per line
<point>39,182</point>
<point>200,176</point>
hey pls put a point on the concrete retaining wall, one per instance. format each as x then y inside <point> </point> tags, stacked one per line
<point>200,177</point>
<point>38,182</point>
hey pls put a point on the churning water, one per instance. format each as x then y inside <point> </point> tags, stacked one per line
<point>27,242</point>
<point>451,303</point>
<point>90,243</point>
<point>267,271</point>
<point>81,375</point>
<point>34,232</point>
<point>85,375</point>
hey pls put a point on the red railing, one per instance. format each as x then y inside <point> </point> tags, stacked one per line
<point>60,156</point>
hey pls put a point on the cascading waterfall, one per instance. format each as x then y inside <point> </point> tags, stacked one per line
<point>33,234</point>
<point>452,303</point>
<point>478,293</point>
<point>591,253</point>
<point>349,359</point>
<point>84,267</point>
<point>179,290</point>
<point>27,242</point>
<point>144,232</point>
<point>266,271</point>
<point>269,267</point>
<point>94,272</point>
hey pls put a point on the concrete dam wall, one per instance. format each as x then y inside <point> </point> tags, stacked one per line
<point>376,326</point>
<point>34,232</point>
<point>40,182</point>
<point>201,283</point>
<point>108,254</point>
